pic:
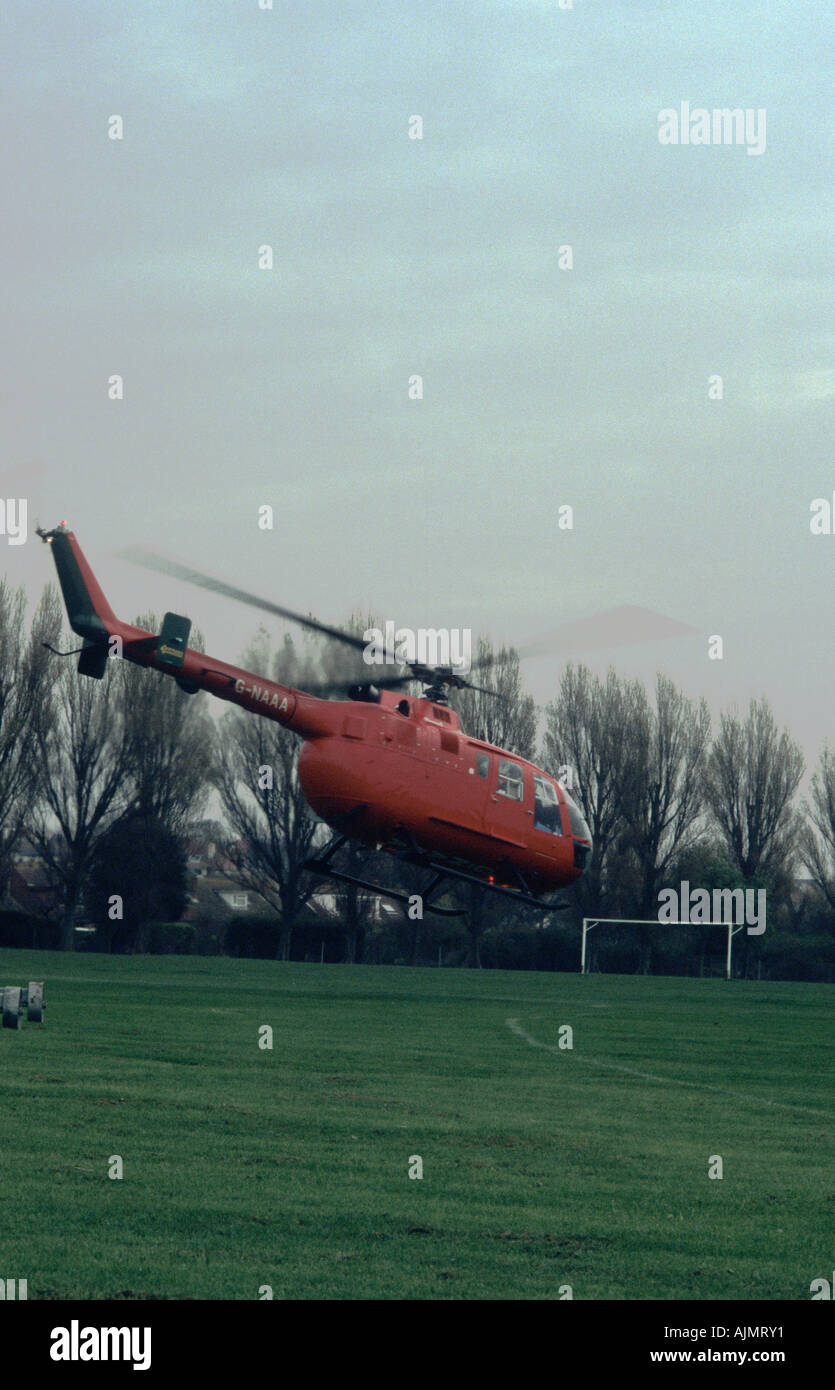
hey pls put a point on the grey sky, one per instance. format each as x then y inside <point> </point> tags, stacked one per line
<point>396,256</point>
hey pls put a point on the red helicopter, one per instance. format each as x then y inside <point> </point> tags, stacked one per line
<point>392,771</point>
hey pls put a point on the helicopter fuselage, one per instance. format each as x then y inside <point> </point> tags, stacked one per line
<point>382,770</point>
<point>405,767</point>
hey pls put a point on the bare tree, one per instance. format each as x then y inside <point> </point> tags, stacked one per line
<point>171,739</point>
<point>753,774</point>
<point>661,784</point>
<point>584,735</point>
<point>83,761</point>
<point>256,774</point>
<point>818,837</point>
<point>509,721</point>
<point>27,671</point>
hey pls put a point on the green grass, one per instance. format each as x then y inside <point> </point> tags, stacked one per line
<point>289,1167</point>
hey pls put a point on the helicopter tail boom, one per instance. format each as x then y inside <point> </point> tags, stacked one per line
<point>92,618</point>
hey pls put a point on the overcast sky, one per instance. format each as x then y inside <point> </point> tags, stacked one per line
<point>395,256</point>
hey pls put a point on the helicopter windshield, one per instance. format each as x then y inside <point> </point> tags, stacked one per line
<point>579,827</point>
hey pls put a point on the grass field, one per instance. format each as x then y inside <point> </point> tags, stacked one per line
<point>542,1167</point>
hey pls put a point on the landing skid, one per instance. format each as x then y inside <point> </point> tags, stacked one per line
<point>322,868</point>
<point>411,853</point>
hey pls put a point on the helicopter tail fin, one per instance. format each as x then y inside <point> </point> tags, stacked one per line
<point>89,613</point>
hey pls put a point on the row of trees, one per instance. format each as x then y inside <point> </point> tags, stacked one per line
<point>668,799</point>
<point>88,768</point>
<point>107,778</point>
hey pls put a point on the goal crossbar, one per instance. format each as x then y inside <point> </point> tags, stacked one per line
<point>589,923</point>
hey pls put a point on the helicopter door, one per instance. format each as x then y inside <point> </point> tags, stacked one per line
<point>508,802</point>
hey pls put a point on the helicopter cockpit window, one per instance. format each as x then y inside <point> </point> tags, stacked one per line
<point>547,814</point>
<point>482,764</point>
<point>578,825</point>
<point>510,780</point>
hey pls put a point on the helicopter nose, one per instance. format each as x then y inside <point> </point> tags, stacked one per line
<point>581,834</point>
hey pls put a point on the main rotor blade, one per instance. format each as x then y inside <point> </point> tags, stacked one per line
<point>323,689</point>
<point>615,627</point>
<point>482,690</point>
<point>337,687</point>
<point>149,559</point>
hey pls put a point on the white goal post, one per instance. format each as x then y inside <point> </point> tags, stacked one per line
<point>589,923</point>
